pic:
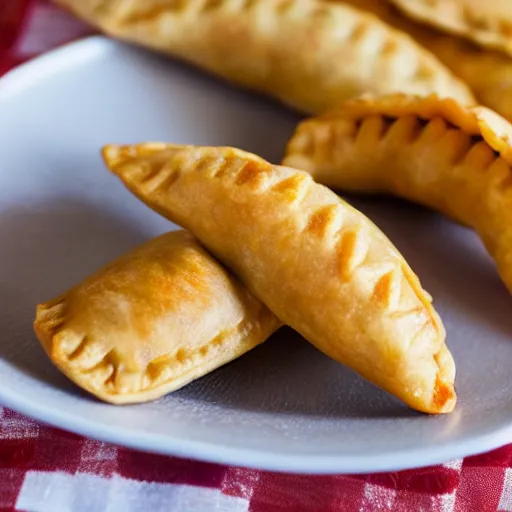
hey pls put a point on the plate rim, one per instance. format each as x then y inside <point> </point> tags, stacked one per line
<point>14,82</point>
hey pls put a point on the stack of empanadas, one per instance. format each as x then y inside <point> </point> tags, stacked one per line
<point>393,83</point>
<point>167,313</point>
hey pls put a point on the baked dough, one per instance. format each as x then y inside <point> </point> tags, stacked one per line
<point>151,322</point>
<point>320,265</point>
<point>429,150</point>
<point>488,23</point>
<point>487,72</point>
<point>308,54</point>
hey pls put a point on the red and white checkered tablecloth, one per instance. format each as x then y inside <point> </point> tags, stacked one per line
<point>44,469</point>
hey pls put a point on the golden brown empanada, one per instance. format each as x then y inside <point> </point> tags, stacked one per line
<point>432,151</point>
<point>151,322</point>
<point>320,265</point>
<point>486,22</point>
<point>487,72</point>
<point>308,54</point>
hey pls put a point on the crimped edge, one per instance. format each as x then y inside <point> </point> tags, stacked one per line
<point>477,121</point>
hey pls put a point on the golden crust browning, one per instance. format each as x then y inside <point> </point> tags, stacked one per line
<point>308,54</point>
<point>125,333</point>
<point>433,151</point>
<point>315,261</point>
<point>486,23</point>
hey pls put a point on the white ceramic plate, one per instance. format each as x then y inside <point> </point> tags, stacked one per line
<point>283,406</point>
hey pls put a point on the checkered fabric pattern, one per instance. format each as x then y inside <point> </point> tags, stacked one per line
<point>43,469</point>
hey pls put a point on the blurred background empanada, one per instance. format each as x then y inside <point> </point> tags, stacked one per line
<point>488,23</point>
<point>487,72</point>
<point>308,54</point>
<point>151,322</point>
<point>320,265</point>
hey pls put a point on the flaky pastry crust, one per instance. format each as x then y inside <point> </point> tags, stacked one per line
<point>320,265</point>
<point>453,159</point>
<point>308,54</point>
<point>488,23</point>
<point>151,322</point>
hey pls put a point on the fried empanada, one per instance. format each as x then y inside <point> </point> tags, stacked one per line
<point>488,23</point>
<point>320,265</point>
<point>433,151</point>
<point>308,54</point>
<point>487,72</point>
<point>151,322</point>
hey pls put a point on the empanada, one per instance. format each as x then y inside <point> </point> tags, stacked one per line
<point>435,152</point>
<point>487,72</point>
<point>320,265</point>
<point>486,22</point>
<point>308,54</point>
<point>151,322</point>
